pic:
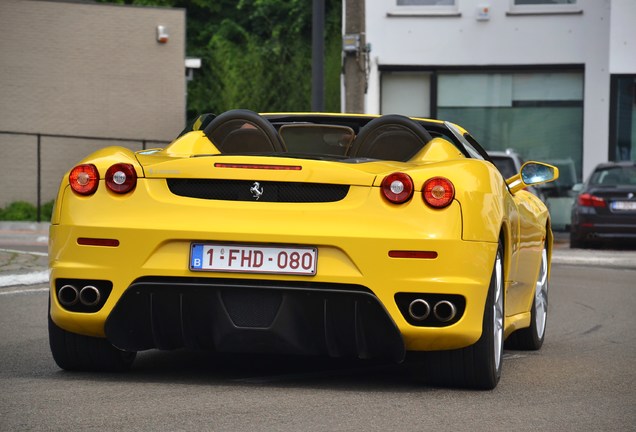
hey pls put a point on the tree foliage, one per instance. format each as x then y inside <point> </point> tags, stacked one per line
<point>256,54</point>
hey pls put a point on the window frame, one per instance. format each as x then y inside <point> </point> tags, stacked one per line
<point>612,151</point>
<point>425,10</point>
<point>543,9</point>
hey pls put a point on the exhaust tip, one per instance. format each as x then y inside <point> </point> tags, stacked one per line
<point>444,311</point>
<point>89,295</point>
<point>68,295</point>
<point>419,309</point>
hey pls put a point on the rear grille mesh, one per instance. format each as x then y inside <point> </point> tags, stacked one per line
<point>241,190</point>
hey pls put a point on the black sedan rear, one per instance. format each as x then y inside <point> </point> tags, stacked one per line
<point>605,209</point>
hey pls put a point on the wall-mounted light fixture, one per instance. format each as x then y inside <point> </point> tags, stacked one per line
<point>192,63</point>
<point>162,34</point>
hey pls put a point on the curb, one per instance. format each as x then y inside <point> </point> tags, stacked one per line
<point>24,226</point>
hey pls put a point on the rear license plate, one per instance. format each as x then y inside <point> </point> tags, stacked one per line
<point>624,205</point>
<point>253,259</point>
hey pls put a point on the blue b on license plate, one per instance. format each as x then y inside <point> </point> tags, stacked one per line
<point>253,258</point>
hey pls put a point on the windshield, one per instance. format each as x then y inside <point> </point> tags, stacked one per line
<point>614,176</point>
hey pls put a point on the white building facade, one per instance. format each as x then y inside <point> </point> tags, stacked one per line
<point>554,80</point>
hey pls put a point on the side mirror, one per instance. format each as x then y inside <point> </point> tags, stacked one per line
<point>532,173</point>
<point>577,188</point>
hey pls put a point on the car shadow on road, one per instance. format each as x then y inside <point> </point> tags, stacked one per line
<point>261,370</point>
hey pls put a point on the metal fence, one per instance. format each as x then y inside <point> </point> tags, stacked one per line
<point>10,159</point>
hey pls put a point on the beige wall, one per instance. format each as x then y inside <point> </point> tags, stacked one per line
<point>88,70</point>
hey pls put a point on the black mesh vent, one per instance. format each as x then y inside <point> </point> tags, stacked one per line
<point>252,308</point>
<point>241,190</point>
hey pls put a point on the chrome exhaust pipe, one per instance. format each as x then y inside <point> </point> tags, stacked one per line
<point>444,311</point>
<point>68,295</point>
<point>89,295</point>
<point>419,309</point>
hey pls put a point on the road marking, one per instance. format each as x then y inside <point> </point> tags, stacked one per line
<point>24,279</point>
<point>508,356</point>
<point>23,291</point>
<point>24,252</point>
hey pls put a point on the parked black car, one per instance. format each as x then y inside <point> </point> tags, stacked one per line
<point>605,208</point>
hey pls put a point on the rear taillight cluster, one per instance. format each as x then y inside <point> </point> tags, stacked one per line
<point>438,192</point>
<point>120,178</point>
<point>589,200</point>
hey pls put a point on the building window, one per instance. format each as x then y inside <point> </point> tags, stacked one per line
<point>543,2</point>
<point>424,8</point>
<point>426,2</point>
<point>543,7</point>
<point>623,118</point>
<point>538,114</point>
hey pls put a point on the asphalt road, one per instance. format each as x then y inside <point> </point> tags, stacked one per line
<point>582,380</point>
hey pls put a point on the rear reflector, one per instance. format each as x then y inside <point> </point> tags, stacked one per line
<point>413,254</point>
<point>87,241</point>
<point>257,166</point>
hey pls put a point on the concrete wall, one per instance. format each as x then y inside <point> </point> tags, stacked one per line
<point>623,37</point>
<point>459,39</point>
<point>88,70</point>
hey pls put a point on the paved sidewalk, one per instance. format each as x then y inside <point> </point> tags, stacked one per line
<point>19,267</point>
<point>24,233</point>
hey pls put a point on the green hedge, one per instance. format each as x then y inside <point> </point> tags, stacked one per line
<point>24,211</point>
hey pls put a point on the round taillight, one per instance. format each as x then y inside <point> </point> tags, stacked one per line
<point>121,178</point>
<point>84,179</point>
<point>397,188</point>
<point>438,192</point>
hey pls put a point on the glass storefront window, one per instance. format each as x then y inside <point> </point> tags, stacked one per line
<point>623,118</point>
<point>537,114</point>
<point>406,93</point>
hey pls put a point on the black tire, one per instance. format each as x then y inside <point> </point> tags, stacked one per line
<point>477,366</point>
<point>74,352</point>
<point>531,338</point>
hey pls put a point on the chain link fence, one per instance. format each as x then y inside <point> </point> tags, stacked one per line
<point>33,164</point>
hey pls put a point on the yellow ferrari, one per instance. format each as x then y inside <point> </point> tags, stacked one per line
<point>302,233</point>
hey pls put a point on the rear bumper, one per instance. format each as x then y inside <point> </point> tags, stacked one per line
<point>599,228</point>
<point>341,311</point>
<point>353,251</point>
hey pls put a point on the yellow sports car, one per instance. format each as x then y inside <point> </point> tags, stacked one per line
<point>302,233</point>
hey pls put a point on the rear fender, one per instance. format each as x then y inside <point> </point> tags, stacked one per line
<point>102,159</point>
<point>482,197</point>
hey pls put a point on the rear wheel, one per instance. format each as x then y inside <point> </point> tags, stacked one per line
<point>479,365</point>
<point>531,338</point>
<point>76,352</point>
